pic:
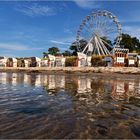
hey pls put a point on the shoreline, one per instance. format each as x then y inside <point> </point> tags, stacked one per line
<point>119,70</point>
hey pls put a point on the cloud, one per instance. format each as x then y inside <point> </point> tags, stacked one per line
<point>68,31</point>
<point>60,42</point>
<point>13,47</point>
<point>35,10</point>
<point>132,30</point>
<point>87,4</point>
<point>17,47</point>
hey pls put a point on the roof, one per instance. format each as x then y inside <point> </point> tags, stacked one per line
<point>3,60</point>
<point>37,59</point>
<point>14,59</point>
<point>138,57</point>
<point>120,50</point>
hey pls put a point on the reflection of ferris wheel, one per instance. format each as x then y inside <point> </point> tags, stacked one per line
<point>97,31</point>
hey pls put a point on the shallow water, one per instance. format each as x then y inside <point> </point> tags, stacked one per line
<point>69,106</point>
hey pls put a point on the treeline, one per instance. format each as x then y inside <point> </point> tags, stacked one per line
<point>129,42</point>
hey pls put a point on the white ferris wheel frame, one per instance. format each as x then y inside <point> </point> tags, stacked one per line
<point>96,44</point>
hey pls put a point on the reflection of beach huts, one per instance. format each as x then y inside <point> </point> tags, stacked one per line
<point>83,85</point>
<point>56,82</point>
<point>120,90</point>
<point>132,59</point>
<point>12,62</point>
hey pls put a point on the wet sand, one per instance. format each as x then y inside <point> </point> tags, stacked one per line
<point>120,70</point>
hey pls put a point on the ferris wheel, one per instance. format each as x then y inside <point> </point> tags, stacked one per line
<point>97,33</point>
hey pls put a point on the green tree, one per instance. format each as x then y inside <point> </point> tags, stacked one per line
<point>67,53</point>
<point>131,43</point>
<point>53,50</point>
<point>45,54</point>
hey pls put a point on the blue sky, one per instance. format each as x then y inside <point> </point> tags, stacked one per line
<point>28,28</point>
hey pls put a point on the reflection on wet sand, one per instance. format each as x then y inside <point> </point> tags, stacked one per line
<point>68,106</point>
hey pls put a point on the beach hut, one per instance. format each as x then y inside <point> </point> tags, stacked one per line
<point>52,60</point>
<point>3,62</point>
<point>120,56</point>
<point>11,62</point>
<point>81,59</point>
<point>20,62</point>
<point>132,59</point>
<point>32,61</point>
<point>89,61</point>
<point>38,62</point>
<point>26,63</point>
<point>14,62</point>
<point>44,63</point>
<point>63,60</point>
<point>109,61</point>
<point>60,61</point>
<point>138,60</point>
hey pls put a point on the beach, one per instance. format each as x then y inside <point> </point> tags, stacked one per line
<point>121,70</point>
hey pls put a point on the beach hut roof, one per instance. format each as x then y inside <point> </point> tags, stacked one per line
<point>138,57</point>
<point>37,59</point>
<point>14,59</point>
<point>81,55</point>
<point>4,60</point>
<point>26,61</point>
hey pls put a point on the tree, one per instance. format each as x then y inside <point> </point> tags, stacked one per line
<point>67,53</point>
<point>74,47</point>
<point>53,50</point>
<point>131,43</point>
<point>45,54</point>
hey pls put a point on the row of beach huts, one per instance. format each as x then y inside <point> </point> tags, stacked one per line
<point>120,57</point>
<point>32,62</point>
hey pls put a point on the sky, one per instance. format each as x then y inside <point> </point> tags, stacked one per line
<point>29,28</point>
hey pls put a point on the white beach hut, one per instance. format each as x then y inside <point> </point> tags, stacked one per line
<point>51,60</point>
<point>44,63</point>
<point>89,61</point>
<point>138,60</point>
<point>26,62</point>
<point>81,59</point>
<point>60,61</point>
<point>84,60</point>
<point>38,61</point>
<point>3,62</point>
<point>63,60</point>
<point>14,62</point>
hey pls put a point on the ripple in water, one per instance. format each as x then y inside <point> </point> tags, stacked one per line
<point>69,106</point>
